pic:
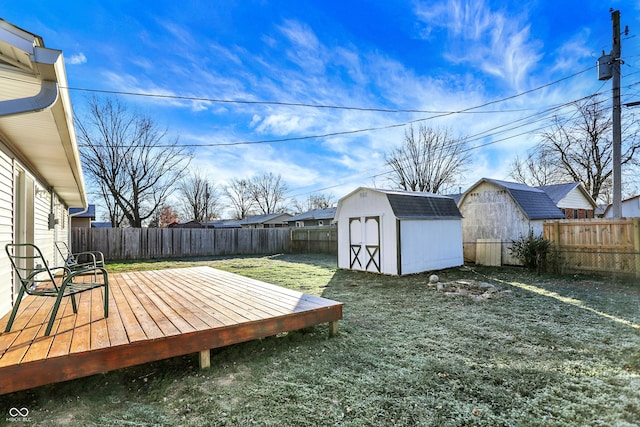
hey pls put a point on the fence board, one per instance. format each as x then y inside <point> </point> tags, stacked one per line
<point>596,245</point>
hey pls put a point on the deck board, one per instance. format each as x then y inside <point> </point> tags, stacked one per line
<point>153,315</point>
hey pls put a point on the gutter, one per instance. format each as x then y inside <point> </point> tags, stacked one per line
<point>43,61</point>
<point>47,96</point>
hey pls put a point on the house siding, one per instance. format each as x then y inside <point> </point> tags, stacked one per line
<point>575,200</point>
<point>6,230</point>
<point>630,208</point>
<point>43,237</point>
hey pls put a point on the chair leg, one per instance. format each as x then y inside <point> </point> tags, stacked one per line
<point>15,309</point>
<point>106,300</point>
<point>73,304</point>
<point>56,306</point>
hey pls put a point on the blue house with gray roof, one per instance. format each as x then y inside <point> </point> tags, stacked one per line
<point>573,199</point>
<point>495,213</point>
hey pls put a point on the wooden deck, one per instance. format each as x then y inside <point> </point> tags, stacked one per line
<point>153,315</point>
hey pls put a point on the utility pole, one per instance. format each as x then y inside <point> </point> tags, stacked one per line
<point>609,68</point>
<point>617,116</point>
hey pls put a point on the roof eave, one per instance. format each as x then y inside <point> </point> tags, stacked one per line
<point>54,119</point>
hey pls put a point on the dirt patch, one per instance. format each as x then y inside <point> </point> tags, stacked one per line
<point>476,290</point>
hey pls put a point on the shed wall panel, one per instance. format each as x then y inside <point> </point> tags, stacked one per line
<point>430,245</point>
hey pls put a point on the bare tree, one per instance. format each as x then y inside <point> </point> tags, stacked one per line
<point>428,160</point>
<point>582,148</point>
<point>129,158</point>
<point>315,201</point>
<point>200,197</point>
<point>538,169</point>
<point>268,191</point>
<point>239,194</point>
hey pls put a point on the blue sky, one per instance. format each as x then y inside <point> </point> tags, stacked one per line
<point>431,56</point>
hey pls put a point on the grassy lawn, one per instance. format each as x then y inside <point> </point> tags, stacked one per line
<point>558,351</point>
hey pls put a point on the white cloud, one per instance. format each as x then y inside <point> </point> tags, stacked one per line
<point>78,58</point>
<point>305,50</point>
<point>497,42</point>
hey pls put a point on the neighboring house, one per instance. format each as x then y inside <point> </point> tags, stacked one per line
<point>273,220</point>
<point>40,172</point>
<point>218,224</point>
<point>630,208</point>
<point>573,199</point>
<point>398,232</point>
<point>223,223</point>
<point>101,224</point>
<point>495,213</point>
<point>82,218</point>
<point>313,218</point>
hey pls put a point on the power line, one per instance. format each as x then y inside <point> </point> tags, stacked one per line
<point>277,103</point>
<point>479,136</point>
<point>362,130</point>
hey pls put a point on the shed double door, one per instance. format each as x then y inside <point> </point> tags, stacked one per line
<point>364,243</point>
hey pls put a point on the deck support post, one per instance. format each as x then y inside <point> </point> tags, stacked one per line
<point>333,328</point>
<point>205,359</point>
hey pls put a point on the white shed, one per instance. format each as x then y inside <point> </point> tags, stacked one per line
<point>398,232</point>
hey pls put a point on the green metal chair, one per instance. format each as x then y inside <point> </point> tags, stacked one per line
<point>37,278</point>
<point>80,260</point>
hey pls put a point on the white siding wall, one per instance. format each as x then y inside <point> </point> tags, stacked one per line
<point>630,208</point>
<point>575,200</point>
<point>6,231</point>
<point>430,245</point>
<point>42,236</point>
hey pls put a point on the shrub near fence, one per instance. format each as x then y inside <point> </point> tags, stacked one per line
<point>157,243</point>
<point>596,245</point>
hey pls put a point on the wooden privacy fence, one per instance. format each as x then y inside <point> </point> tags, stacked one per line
<point>596,245</point>
<point>314,240</point>
<point>155,243</point>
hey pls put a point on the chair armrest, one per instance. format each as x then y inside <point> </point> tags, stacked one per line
<point>96,256</point>
<point>65,270</point>
<point>90,270</point>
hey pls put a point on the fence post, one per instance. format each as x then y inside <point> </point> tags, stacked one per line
<point>636,244</point>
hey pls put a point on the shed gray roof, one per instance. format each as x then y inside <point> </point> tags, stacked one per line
<point>417,205</point>
<point>534,202</point>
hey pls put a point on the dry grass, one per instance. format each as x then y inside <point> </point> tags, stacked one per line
<point>560,351</point>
